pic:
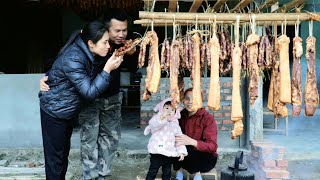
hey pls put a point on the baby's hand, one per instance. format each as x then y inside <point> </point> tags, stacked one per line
<point>162,117</point>
<point>181,157</point>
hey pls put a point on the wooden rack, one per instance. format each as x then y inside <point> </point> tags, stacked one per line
<point>183,18</point>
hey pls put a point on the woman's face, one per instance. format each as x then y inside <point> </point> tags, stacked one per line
<point>187,101</point>
<point>102,47</point>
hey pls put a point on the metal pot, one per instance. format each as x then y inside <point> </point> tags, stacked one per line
<point>237,171</point>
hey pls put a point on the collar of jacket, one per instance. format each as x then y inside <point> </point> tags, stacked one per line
<point>79,42</point>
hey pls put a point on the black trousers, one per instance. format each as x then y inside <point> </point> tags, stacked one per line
<point>56,134</point>
<point>196,161</point>
<point>156,161</point>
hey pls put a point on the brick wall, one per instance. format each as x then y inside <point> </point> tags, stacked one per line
<point>222,116</point>
<point>266,160</point>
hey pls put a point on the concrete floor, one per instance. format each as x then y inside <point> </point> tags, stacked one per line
<point>302,143</point>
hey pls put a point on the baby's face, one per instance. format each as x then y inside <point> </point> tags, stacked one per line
<point>168,111</point>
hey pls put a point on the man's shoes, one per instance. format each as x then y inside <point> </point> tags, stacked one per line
<point>179,175</point>
<point>197,177</point>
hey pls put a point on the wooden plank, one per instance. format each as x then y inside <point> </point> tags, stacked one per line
<point>289,6</point>
<point>218,5</point>
<point>195,6</point>
<point>267,4</point>
<point>242,4</point>
<point>173,5</point>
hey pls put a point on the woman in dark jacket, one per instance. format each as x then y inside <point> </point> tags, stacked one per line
<point>73,80</point>
<point>200,137</point>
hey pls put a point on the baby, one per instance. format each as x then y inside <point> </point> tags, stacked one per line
<point>164,126</point>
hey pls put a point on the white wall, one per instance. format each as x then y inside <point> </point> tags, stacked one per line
<point>19,110</point>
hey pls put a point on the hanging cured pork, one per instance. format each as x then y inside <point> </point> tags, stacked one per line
<point>214,87</point>
<point>153,69</point>
<point>285,83</point>
<point>311,96</point>
<point>252,50</point>
<point>196,74</point>
<point>236,110</point>
<point>296,88</point>
<point>174,73</point>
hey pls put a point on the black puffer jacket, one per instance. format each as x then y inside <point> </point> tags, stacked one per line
<point>73,80</point>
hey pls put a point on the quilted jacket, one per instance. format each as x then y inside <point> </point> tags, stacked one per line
<point>73,80</point>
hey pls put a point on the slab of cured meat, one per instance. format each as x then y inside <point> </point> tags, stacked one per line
<point>153,69</point>
<point>214,89</point>
<point>174,73</point>
<point>296,88</point>
<point>285,83</point>
<point>236,110</point>
<point>311,96</point>
<point>196,74</point>
<point>252,50</point>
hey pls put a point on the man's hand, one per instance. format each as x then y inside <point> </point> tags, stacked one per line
<point>43,86</point>
<point>181,157</point>
<point>186,140</point>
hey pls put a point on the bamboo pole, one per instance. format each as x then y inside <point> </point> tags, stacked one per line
<point>161,22</point>
<point>226,16</point>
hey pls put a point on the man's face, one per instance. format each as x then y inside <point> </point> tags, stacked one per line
<point>118,31</point>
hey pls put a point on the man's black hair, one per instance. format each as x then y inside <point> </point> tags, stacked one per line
<point>115,13</point>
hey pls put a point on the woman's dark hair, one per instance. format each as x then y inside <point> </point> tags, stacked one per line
<point>186,91</point>
<point>92,31</point>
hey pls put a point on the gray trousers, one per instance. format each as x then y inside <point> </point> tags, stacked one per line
<point>100,130</point>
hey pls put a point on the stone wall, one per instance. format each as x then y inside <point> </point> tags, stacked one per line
<point>222,116</point>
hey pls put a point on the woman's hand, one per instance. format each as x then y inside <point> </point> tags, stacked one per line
<point>181,157</point>
<point>113,63</point>
<point>186,140</point>
<point>43,86</point>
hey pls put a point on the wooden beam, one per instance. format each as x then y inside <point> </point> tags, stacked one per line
<point>289,6</point>
<point>226,16</point>
<point>218,5</point>
<point>195,6</point>
<point>242,4</point>
<point>267,4</point>
<point>173,5</point>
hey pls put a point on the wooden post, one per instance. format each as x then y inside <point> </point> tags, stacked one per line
<point>241,5</point>
<point>218,4</point>
<point>195,5</point>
